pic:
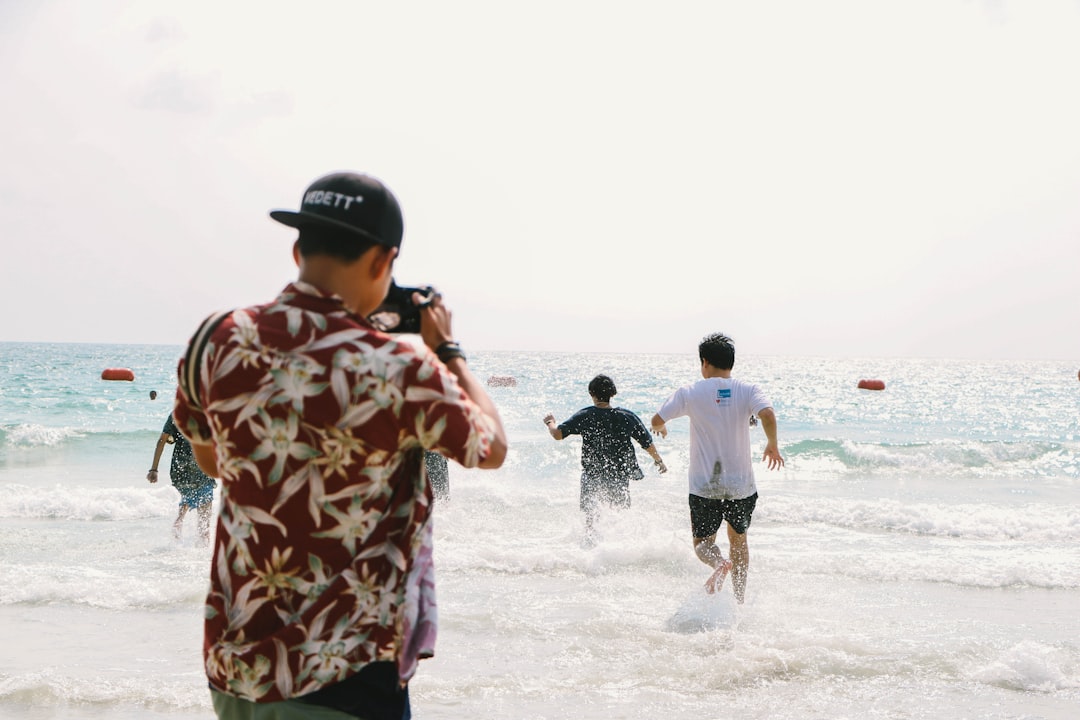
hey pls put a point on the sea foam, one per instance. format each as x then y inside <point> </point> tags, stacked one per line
<point>31,435</point>
<point>61,502</point>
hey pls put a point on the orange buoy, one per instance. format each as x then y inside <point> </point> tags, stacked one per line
<point>871,384</point>
<point>117,374</point>
<point>502,381</point>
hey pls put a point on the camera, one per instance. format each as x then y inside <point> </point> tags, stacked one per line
<point>397,313</point>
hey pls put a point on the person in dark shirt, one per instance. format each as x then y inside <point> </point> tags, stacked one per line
<point>608,459</point>
<point>438,471</point>
<point>196,488</point>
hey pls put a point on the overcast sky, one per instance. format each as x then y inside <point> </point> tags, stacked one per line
<point>814,178</point>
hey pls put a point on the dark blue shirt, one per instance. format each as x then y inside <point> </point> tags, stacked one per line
<point>183,469</point>
<point>607,450</point>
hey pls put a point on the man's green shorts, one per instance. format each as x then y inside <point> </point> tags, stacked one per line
<point>229,707</point>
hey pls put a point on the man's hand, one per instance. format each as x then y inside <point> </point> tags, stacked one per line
<point>772,457</point>
<point>435,320</point>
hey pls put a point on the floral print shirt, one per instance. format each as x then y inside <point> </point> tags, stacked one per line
<point>322,556</point>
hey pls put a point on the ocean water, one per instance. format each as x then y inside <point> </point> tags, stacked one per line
<point>918,556</point>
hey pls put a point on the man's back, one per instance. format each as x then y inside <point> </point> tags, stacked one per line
<point>607,441</point>
<point>719,410</point>
<point>318,421</point>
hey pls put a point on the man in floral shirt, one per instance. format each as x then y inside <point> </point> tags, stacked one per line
<point>321,595</point>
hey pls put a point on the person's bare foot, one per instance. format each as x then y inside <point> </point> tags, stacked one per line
<point>716,580</point>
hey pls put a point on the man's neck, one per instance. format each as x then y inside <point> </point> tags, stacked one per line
<point>336,278</point>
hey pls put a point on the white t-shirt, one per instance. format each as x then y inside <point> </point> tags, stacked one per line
<point>719,410</point>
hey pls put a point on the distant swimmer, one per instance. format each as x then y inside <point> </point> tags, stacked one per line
<point>196,488</point>
<point>722,487</point>
<point>608,460</point>
<point>153,394</point>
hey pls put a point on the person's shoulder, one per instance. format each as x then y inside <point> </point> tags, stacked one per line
<point>246,314</point>
<point>682,392</point>
<point>631,418</point>
<point>579,415</point>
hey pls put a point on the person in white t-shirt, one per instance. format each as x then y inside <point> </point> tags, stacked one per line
<point>722,487</point>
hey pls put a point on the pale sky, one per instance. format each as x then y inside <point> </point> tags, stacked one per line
<point>842,179</point>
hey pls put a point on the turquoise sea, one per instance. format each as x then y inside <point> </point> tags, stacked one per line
<point>918,556</point>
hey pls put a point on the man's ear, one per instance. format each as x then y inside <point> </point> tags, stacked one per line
<point>383,262</point>
<point>296,253</point>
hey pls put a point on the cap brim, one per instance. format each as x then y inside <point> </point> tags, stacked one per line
<point>303,219</point>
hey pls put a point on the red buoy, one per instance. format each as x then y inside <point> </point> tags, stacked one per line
<point>871,384</point>
<point>117,374</point>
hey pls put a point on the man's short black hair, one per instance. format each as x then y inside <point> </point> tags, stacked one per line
<point>717,350</point>
<point>332,243</point>
<point>602,388</point>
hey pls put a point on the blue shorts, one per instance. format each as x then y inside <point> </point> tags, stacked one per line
<point>195,496</point>
<point>707,514</point>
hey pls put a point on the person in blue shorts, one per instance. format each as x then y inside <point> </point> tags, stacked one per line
<point>196,488</point>
<point>608,460</point>
<point>438,471</point>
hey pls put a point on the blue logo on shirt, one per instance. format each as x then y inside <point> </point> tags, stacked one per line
<point>723,396</point>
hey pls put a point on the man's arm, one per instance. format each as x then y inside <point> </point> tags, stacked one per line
<point>659,427</point>
<point>553,429</point>
<point>772,448</point>
<point>205,457</point>
<point>152,473</point>
<point>435,331</point>
<point>475,390</point>
<point>655,454</point>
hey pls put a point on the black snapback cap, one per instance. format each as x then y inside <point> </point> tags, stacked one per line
<point>350,202</point>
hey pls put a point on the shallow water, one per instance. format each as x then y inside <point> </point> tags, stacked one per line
<point>916,558</point>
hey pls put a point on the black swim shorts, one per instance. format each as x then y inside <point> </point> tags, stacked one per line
<point>606,491</point>
<point>706,514</point>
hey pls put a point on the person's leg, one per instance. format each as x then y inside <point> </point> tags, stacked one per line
<point>204,521</point>
<point>617,493</point>
<point>710,554</point>
<point>592,513</point>
<point>707,551</point>
<point>178,524</point>
<point>590,505</point>
<point>739,552</point>
<point>706,516</point>
<point>738,515</point>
